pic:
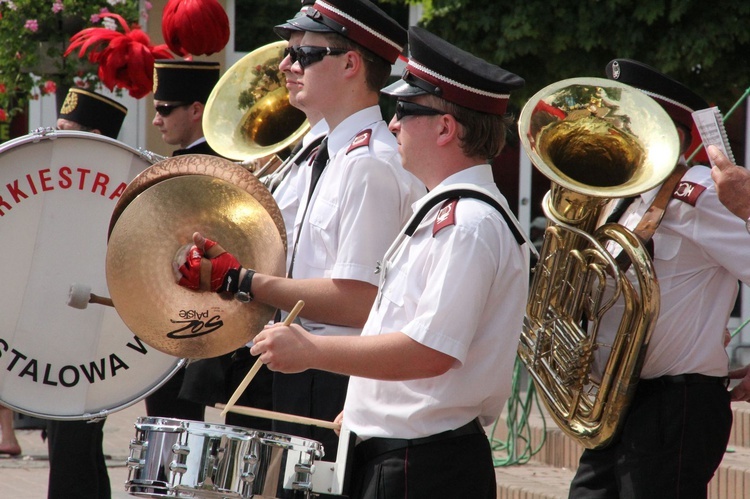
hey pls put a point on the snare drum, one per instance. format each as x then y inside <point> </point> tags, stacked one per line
<point>178,458</point>
<point>57,193</point>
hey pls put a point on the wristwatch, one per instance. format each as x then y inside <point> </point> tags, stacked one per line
<point>243,291</point>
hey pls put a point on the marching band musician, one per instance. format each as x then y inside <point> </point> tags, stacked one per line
<point>77,466</point>
<point>181,90</point>
<point>732,184</point>
<point>348,217</point>
<point>287,184</point>
<point>678,424</point>
<point>432,366</point>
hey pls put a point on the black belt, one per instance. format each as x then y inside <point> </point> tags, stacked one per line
<point>373,447</point>
<point>684,379</point>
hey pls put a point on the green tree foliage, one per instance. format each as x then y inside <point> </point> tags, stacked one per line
<point>705,45</point>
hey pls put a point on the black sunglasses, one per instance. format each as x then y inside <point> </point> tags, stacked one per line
<point>308,55</point>
<point>165,110</point>
<point>406,108</point>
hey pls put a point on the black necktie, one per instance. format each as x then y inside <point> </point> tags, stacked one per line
<point>318,165</point>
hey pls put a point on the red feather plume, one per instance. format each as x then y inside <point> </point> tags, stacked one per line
<point>195,27</point>
<point>125,60</point>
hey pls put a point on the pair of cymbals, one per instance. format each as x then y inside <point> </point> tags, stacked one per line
<point>155,217</point>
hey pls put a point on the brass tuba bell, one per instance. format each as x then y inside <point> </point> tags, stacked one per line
<point>596,140</point>
<point>248,115</point>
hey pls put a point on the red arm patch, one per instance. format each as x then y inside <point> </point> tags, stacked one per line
<point>688,192</point>
<point>446,216</point>
<point>361,140</point>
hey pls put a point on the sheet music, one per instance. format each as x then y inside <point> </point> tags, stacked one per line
<point>710,125</point>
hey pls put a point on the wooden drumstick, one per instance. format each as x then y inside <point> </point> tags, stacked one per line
<point>101,300</point>
<point>256,367</point>
<point>279,416</point>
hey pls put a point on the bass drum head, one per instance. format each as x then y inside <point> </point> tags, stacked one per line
<point>57,193</point>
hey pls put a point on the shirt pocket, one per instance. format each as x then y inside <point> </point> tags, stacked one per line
<point>324,232</point>
<point>394,287</point>
<point>666,247</point>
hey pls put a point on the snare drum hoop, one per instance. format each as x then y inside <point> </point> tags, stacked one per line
<point>290,442</point>
<point>170,368</point>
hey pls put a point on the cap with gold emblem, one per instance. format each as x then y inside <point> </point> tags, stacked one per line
<point>439,68</point>
<point>93,111</point>
<point>184,81</point>
<point>358,20</point>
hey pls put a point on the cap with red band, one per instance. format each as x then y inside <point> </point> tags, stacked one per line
<point>436,67</point>
<point>361,21</point>
<point>676,99</point>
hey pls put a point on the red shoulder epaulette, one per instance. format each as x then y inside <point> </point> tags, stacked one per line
<point>361,140</point>
<point>446,216</point>
<point>688,192</point>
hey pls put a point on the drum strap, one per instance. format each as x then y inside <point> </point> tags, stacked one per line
<point>465,193</point>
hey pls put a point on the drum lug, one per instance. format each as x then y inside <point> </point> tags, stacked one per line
<point>43,132</point>
<point>304,468</point>
<point>135,464</point>
<point>180,450</point>
<point>178,468</point>
<point>306,486</point>
<point>248,477</point>
<point>137,448</point>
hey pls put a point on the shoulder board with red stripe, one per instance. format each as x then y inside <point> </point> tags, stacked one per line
<point>688,192</point>
<point>361,140</point>
<point>446,216</point>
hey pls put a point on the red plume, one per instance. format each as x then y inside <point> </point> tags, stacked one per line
<point>126,60</point>
<point>195,27</point>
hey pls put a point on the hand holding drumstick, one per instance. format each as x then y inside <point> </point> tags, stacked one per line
<point>256,367</point>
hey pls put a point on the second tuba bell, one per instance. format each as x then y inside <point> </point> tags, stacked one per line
<point>248,115</point>
<point>596,140</point>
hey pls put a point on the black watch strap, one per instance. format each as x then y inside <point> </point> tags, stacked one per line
<point>243,292</point>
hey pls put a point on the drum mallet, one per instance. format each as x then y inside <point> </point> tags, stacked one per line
<point>256,367</point>
<point>80,296</point>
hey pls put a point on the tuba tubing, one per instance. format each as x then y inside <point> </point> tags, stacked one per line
<point>596,140</point>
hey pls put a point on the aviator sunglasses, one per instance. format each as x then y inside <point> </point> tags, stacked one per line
<point>406,108</point>
<point>165,110</point>
<point>308,55</point>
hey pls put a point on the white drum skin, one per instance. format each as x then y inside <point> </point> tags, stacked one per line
<point>57,193</point>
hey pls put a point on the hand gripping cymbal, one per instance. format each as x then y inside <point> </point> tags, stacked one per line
<point>155,218</point>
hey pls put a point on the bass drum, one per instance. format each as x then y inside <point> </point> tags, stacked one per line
<point>57,192</point>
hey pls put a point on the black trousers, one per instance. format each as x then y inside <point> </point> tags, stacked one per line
<point>257,394</point>
<point>166,403</point>
<point>313,394</point>
<point>77,467</point>
<point>444,469</point>
<point>672,442</point>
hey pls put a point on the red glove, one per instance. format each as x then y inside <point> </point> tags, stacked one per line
<point>225,269</point>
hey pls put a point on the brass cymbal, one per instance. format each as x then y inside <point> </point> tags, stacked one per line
<point>200,164</point>
<point>152,226</point>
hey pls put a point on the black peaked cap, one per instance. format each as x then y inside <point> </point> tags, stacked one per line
<point>440,68</point>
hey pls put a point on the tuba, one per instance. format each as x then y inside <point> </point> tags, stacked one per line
<point>596,140</point>
<point>248,116</point>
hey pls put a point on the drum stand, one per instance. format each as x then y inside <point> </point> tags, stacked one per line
<point>333,477</point>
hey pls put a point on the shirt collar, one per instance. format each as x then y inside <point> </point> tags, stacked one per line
<point>342,135</point>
